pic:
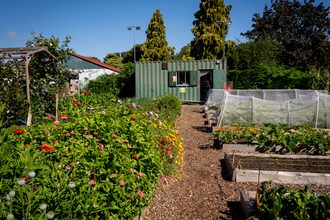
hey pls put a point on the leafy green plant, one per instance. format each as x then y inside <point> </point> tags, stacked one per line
<point>298,204</point>
<point>294,139</point>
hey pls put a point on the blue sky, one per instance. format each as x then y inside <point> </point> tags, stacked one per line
<point>100,27</point>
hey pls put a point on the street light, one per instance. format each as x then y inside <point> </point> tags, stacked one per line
<point>137,28</point>
<point>224,35</point>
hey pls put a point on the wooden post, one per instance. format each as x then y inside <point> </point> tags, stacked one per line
<point>29,119</point>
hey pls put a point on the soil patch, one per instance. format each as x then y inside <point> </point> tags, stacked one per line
<point>282,164</point>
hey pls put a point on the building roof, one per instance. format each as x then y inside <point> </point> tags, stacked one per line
<point>98,63</point>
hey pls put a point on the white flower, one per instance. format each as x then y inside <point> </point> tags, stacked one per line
<point>21,181</point>
<point>50,215</point>
<point>50,44</point>
<point>71,185</point>
<point>12,194</point>
<point>43,206</point>
<point>32,174</point>
<point>10,216</point>
<point>32,45</point>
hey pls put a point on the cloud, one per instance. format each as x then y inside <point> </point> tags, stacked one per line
<point>11,34</point>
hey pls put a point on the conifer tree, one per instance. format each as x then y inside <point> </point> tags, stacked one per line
<point>209,34</point>
<point>156,47</point>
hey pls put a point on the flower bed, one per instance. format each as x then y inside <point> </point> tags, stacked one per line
<point>104,158</point>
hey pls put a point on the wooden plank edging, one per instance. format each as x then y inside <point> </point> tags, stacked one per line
<point>276,176</point>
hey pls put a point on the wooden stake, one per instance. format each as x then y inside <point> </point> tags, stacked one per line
<point>239,162</point>
<point>29,119</point>
<point>234,156</point>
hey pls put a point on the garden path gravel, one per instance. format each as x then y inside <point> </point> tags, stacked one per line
<point>205,190</point>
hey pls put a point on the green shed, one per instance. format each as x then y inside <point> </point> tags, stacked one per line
<point>186,78</point>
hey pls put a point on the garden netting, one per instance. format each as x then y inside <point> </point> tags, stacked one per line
<point>291,107</point>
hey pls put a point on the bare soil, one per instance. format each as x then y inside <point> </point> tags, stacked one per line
<point>291,165</point>
<point>204,191</point>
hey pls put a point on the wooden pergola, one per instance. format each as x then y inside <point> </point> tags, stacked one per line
<point>22,57</point>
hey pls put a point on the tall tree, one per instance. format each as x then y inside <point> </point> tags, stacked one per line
<point>113,60</point>
<point>129,55</point>
<point>156,47</point>
<point>182,52</point>
<point>209,33</point>
<point>300,28</point>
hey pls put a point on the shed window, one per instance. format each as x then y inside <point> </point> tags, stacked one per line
<point>183,78</point>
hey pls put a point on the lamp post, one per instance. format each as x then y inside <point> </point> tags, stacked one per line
<point>137,28</point>
<point>224,35</point>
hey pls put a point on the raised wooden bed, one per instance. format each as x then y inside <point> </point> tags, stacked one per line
<point>240,175</point>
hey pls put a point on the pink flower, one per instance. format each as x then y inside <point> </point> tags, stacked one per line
<point>140,194</point>
<point>56,123</point>
<point>133,171</point>
<point>26,145</point>
<point>58,185</point>
<point>78,162</point>
<point>166,181</point>
<point>87,136</point>
<point>68,168</point>
<point>171,155</point>
<point>86,145</point>
<point>71,132</point>
<point>46,131</point>
<point>136,156</point>
<point>91,182</point>
<point>73,142</point>
<point>88,173</point>
<point>125,141</point>
<point>103,113</point>
<point>86,128</point>
<point>129,146</point>
<point>138,177</point>
<point>122,183</point>
<point>117,140</point>
<point>74,100</point>
<point>134,105</point>
<point>65,149</point>
<point>67,134</point>
<point>140,174</point>
<point>101,147</point>
<point>96,133</point>
<point>113,135</point>
<point>56,142</point>
<point>34,142</point>
<point>161,177</point>
<point>58,171</point>
<point>132,198</point>
<point>72,164</point>
<point>95,205</point>
<point>96,140</point>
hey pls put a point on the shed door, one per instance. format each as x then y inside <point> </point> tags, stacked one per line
<point>219,78</point>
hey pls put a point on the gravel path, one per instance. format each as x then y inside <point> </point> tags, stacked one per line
<point>204,191</point>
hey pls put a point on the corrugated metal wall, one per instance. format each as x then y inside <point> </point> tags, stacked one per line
<point>150,76</point>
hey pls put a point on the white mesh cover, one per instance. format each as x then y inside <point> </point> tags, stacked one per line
<point>216,95</point>
<point>262,106</point>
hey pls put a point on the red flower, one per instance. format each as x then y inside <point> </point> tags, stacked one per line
<point>128,106</point>
<point>47,148</point>
<point>136,156</point>
<point>85,93</point>
<point>133,118</point>
<point>26,179</point>
<point>48,117</point>
<point>18,132</point>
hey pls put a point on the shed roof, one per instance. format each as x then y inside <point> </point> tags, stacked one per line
<point>98,63</point>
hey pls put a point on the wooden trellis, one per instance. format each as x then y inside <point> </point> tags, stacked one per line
<point>24,54</point>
